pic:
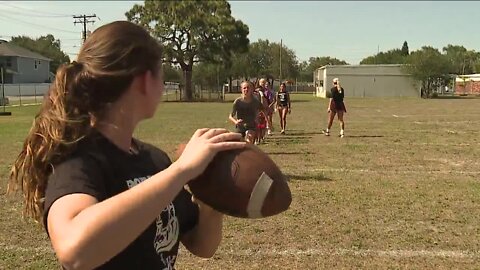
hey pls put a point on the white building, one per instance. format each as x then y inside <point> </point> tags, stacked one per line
<point>366,81</point>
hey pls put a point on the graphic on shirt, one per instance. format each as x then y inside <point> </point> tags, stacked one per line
<point>169,262</point>
<point>283,98</point>
<point>168,230</point>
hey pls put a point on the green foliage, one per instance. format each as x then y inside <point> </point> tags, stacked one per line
<point>394,56</point>
<point>47,46</point>
<point>306,69</point>
<point>461,60</point>
<point>263,60</point>
<point>429,67</point>
<point>192,31</point>
<point>171,74</point>
<point>209,75</point>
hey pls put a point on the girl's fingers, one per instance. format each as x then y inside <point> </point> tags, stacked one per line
<point>229,136</point>
<point>214,132</point>
<point>223,146</point>
<point>200,132</point>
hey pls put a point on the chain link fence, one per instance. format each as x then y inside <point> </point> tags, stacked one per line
<point>31,94</point>
<point>23,94</point>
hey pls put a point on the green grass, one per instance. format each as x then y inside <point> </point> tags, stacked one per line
<point>400,191</point>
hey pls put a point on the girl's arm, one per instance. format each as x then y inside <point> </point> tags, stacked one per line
<point>234,112</point>
<point>205,238</point>
<point>86,233</point>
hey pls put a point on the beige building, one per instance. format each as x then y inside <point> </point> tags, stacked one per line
<point>366,81</point>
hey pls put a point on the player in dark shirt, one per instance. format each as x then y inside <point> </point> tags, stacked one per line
<point>336,106</point>
<point>244,112</point>
<point>107,200</point>
<point>283,106</point>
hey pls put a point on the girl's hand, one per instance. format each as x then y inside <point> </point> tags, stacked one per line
<point>203,146</point>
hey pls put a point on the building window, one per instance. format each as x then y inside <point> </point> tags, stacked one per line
<point>35,64</point>
<point>8,62</point>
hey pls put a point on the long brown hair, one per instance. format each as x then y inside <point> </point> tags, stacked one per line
<point>107,63</point>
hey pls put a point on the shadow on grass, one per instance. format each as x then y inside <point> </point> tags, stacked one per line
<point>289,137</point>
<point>284,141</point>
<point>297,132</point>
<point>288,153</point>
<point>364,136</point>
<point>310,177</point>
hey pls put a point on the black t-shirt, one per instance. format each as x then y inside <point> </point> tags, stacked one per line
<point>246,110</point>
<point>336,95</point>
<point>101,169</point>
<point>283,98</point>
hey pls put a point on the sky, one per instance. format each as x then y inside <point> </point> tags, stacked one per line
<point>347,30</point>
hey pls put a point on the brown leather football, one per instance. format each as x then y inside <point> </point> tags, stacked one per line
<point>242,183</point>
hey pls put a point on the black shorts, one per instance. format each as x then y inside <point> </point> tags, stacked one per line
<point>338,107</point>
<point>242,129</point>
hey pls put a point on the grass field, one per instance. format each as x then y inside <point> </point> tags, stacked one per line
<point>401,191</point>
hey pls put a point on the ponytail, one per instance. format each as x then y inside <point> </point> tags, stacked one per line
<point>81,94</point>
<point>54,134</point>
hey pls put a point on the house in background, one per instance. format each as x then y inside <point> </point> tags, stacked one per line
<point>366,81</point>
<point>23,66</point>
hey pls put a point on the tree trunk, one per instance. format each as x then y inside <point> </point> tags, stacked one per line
<point>230,86</point>
<point>429,88</point>
<point>187,77</point>
<point>423,89</point>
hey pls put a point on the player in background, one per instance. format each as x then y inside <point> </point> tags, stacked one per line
<point>261,120</point>
<point>283,106</point>
<point>270,99</point>
<point>244,112</point>
<point>336,106</point>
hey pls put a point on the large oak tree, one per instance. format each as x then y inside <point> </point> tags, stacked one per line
<point>192,32</point>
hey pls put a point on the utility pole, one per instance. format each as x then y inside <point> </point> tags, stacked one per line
<point>280,61</point>
<point>4,100</point>
<point>84,19</point>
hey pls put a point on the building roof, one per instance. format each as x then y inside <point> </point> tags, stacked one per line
<point>468,78</point>
<point>360,66</point>
<point>9,49</point>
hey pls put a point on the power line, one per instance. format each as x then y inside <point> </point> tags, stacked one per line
<point>33,10</point>
<point>60,38</point>
<point>83,19</point>
<point>36,25</point>
<point>34,14</point>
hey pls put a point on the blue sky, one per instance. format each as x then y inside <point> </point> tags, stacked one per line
<point>348,30</point>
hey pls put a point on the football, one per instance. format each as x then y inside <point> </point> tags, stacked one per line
<point>243,183</point>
